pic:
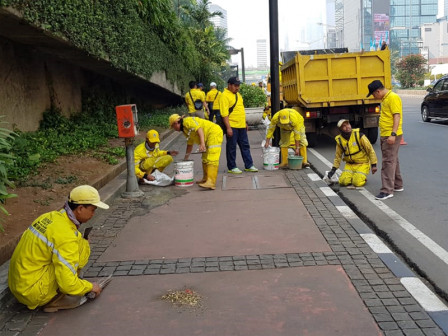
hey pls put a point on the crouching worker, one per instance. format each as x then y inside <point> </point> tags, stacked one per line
<point>209,137</point>
<point>356,150</point>
<point>44,267</point>
<point>148,157</point>
<point>292,125</point>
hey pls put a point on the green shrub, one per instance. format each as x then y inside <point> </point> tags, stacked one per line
<point>253,96</point>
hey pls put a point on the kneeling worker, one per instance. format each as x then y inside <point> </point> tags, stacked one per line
<point>148,157</point>
<point>290,122</point>
<point>209,137</point>
<point>50,254</point>
<point>358,154</point>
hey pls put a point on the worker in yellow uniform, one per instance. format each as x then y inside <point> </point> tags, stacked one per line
<point>356,150</point>
<point>212,99</point>
<point>209,137</point>
<point>195,101</point>
<point>289,121</point>
<point>50,254</point>
<point>148,157</point>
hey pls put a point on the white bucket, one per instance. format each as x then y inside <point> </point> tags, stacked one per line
<point>271,158</point>
<point>184,173</point>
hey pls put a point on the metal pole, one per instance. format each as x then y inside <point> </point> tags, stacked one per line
<point>132,189</point>
<point>274,49</point>
<point>243,70</point>
<point>275,75</point>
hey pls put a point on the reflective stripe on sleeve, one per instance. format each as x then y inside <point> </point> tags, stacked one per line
<point>50,245</point>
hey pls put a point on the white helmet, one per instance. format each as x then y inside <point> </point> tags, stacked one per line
<point>212,84</point>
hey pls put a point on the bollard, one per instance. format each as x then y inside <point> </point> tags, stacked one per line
<point>132,189</point>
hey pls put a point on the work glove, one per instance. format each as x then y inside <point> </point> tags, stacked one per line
<point>331,172</point>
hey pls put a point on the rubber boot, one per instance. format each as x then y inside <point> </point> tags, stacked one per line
<point>284,152</point>
<point>64,301</point>
<point>212,174</point>
<point>204,172</point>
<point>303,153</point>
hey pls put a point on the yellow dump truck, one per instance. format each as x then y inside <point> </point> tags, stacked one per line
<point>326,87</point>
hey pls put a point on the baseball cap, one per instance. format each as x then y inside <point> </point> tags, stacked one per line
<point>375,85</point>
<point>234,80</point>
<point>153,136</point>
<point>200,85</point>
<point>342,121</point>
<point>284,117</point>
<point>86,194</point>
<point>212,84</point>
<point>173,118</point>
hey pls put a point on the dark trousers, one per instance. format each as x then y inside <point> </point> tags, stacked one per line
<point>212,114</point>
<point>390,167</point>
<point>239,137</point>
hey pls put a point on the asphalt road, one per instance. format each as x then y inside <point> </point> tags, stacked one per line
<point>414,222</point>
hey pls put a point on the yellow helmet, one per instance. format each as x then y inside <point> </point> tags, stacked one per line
<point>173,118</point>
<point>152,136</point>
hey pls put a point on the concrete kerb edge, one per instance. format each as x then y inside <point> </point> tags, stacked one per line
<point>109,186</point>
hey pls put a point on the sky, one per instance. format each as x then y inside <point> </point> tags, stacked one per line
<point>248,20</point>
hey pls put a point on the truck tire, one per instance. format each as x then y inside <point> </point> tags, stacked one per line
<point>312,139</point>
<point>372,134</point>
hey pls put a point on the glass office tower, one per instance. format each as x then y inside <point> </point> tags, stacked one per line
<point>406,18</point>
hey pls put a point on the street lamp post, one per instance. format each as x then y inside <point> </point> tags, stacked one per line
<point>233,51</point>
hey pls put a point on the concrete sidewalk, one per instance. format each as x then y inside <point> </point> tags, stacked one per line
<point>267,253</point>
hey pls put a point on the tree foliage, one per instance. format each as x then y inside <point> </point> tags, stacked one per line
<point>210,41</point>
<point>411,70</point>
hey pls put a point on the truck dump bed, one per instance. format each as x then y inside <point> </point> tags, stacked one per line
<point>334,79</point>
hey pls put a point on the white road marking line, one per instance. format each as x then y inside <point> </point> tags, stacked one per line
<point>375,243</point>
<point>328,191</point>
<point>427,299</point>
<point>430,244</point>
<point>320,157</point>
<point>314,177</point>
<point>346,211</point>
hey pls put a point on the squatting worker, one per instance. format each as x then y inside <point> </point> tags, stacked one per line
<point>356,150</point>
<point>148,156</point>
<point>51,252</point>
<point>234,118</point>
<point>391,133</point>
<point>192,96</point>
<point>290,122</point>
<point>209,137</point>
<point>213,102</point>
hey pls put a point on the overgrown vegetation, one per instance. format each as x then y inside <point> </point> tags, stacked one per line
<point>137,36</point>
<point>6,159</point>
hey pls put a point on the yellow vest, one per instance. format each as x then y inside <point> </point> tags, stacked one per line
<point>351,148</point>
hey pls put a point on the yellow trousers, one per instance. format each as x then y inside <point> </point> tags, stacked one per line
<point>160,163</point>
<point>46,288</point>
<point>355,174</point>
<point>213,152</point>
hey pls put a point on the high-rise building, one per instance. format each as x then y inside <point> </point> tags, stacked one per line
<point>365,24</point>
<point>406,19</point>
<point>262,54</point>
<point>339,23</point>
<point>218,21</point>
<point>435,41</point>
<point>330,31</point>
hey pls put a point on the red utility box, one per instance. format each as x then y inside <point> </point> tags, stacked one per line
<point>127,120</point>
